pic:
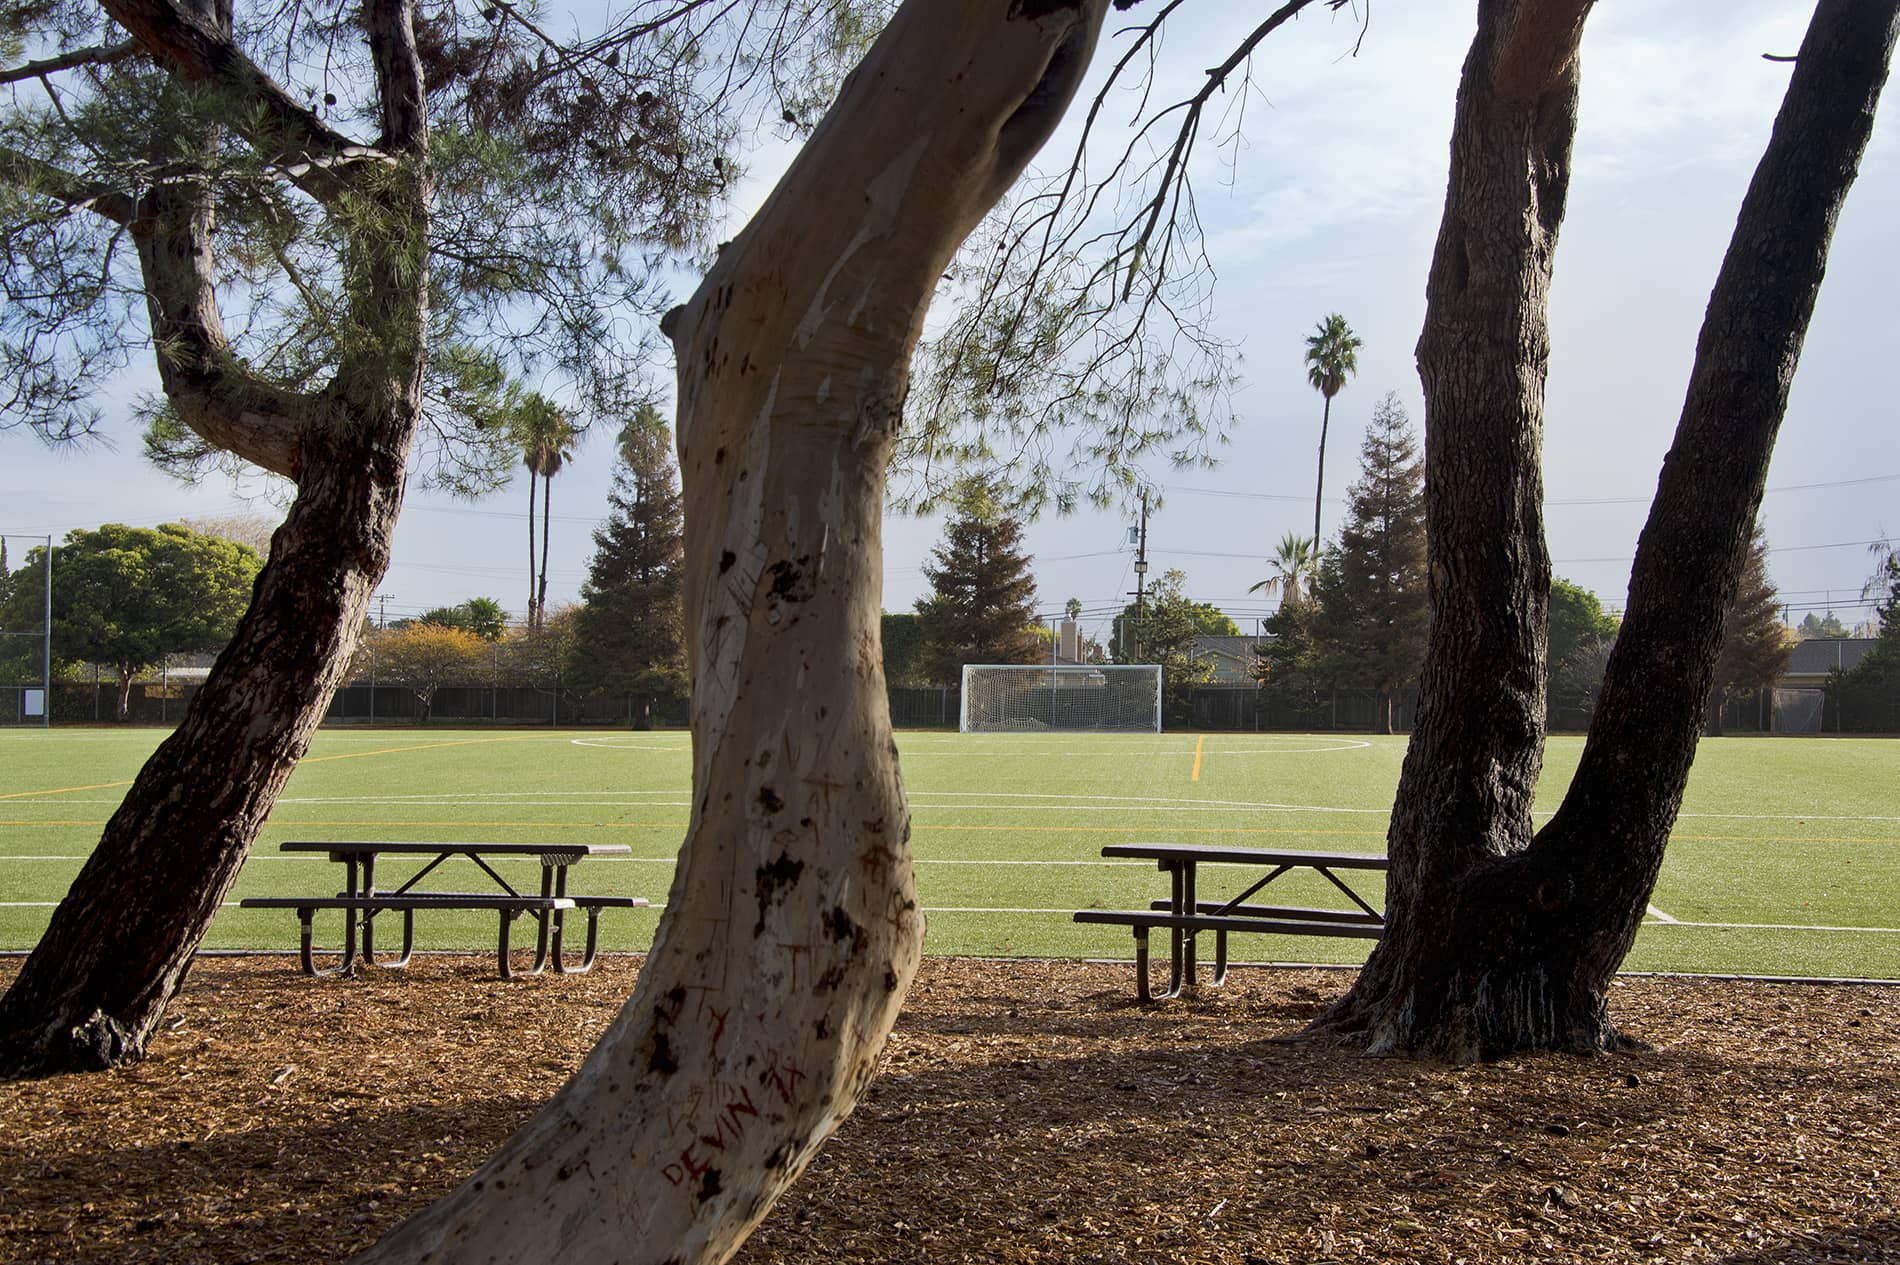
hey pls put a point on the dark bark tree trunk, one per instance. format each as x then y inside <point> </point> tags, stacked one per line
<point>1319,486</point>
<point>1499,941</point>
<point>547,530</point>
<point>119,944</point>
<point>534,618</point>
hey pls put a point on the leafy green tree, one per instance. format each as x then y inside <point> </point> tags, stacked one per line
<point>126,597</point>
<point>629,633</point>
<point>482,616</point>
<point>1332,356</point>
<point>541,655</point>
<point>1813,626</point>
<point>1163,630</point>
<point>1580,635</point>
<point>1755,648</point>
<point>902,635</point>
<point>982,604</point>
<point>1881,665</point>
<point>1578,623</point>
<point>1371,609</point>
<point>426,656</point>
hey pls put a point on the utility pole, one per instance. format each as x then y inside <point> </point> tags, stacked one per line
<point>382,622</point>
<point>1141,583</point>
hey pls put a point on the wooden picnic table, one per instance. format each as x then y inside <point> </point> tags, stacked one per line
<point>1185,914</point>
<point>361,900</point>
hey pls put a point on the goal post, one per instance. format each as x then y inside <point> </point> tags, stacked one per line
<point>1027,698</point>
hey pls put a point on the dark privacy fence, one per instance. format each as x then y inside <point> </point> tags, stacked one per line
<point>1299,710</point>
<point>1782,711</point>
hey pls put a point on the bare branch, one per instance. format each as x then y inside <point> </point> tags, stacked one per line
<point>99,55</point>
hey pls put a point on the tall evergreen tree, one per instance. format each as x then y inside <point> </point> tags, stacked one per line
<point>1371,608</point>
<point>629,633</point>
<point>1755,650</point>
<point>982,605</point>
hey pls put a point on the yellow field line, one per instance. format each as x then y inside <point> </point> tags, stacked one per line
<point>421,746</point>
<point>1199,739</point>
<point>64,790</point>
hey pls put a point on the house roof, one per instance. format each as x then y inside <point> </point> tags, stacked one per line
<point>1240,648</point>
<point>1818,656</point>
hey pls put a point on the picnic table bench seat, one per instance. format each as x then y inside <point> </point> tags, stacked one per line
<point>361,900</point>
<point>509,909</point>
<point>1184,914</point>
<point>1333,923</point>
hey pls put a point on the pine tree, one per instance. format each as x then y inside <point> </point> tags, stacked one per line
<point>1370,612</point>
<point>629,634</point>
<point>982,607</point>
<point>1755,650</point>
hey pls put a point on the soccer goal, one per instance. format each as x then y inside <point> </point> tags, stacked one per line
<point>1001,698</point>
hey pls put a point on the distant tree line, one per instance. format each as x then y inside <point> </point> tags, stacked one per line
<point>625,636</point>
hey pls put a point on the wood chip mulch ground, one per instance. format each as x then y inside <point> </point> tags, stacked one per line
<point>1027,1112</point>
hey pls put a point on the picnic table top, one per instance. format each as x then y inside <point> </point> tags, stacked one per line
<point>1219,855</point>
<point>364,848</point>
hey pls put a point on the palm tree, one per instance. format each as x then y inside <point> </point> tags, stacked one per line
<point>1293,565</point>
<point>546,436</point>
<point>1330,359</point>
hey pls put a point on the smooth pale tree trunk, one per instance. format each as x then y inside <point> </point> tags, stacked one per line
<point>1500,940</point>
<point>122,698</point>
<point>117,948</point>
<point>791,931</point>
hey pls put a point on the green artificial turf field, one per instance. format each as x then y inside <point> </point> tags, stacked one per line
<point>1785,861</point>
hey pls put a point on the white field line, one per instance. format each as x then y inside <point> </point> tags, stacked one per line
<point>1024,801</point>
<point>1660,916</point>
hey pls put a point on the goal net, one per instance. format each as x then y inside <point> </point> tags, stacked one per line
<point>1013,697</point>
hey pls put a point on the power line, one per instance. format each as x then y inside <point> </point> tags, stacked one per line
<point>1596,500</point>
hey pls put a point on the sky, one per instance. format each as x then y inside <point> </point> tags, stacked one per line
<point>1330,203</point>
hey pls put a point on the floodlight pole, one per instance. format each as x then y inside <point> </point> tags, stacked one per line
<point>46,644</point>
<point>382,621</point>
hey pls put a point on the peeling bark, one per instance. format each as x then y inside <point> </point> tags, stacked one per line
<point>1499,941</point>
<point>792,930</point>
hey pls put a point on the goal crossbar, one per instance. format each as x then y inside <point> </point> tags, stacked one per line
<point>1063,698</point>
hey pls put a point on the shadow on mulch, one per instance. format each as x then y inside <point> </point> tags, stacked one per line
<point>1027,1112</point>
